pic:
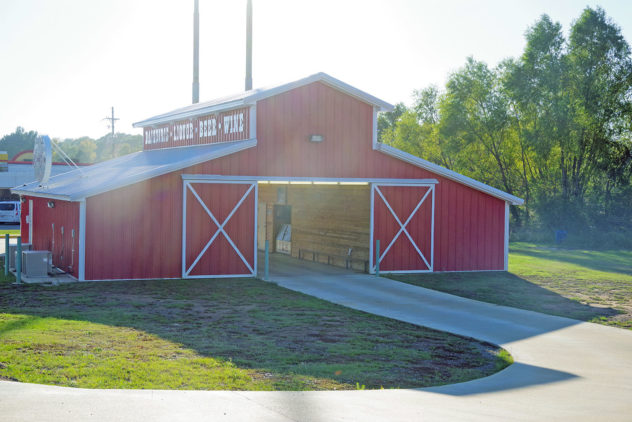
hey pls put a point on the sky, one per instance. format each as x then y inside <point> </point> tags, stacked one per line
<point>65,63</point>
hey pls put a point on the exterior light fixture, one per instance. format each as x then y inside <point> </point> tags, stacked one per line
<point>51,204</point>
<point>316,138</point>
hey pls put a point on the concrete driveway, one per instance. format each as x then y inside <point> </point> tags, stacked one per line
<point>565,369</point>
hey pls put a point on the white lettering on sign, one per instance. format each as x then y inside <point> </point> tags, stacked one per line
<point>226,126</point>
<point>234,123</point>
<point>208,126</point>
<point>183,131</point>
<point>157,135</point>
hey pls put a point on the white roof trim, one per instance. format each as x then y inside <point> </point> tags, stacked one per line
<point>309,179</point>
<point>74,186</point>
<point>252,96</point>
<point>189,113</point>
<point>448,174</point>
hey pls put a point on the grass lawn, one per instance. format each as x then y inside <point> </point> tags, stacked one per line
<point>231,334</point>
<point>591,286</point>
<point>3,231</point>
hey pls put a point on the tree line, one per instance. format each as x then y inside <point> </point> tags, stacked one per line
<point>80,150</point>
<point>553,126</point>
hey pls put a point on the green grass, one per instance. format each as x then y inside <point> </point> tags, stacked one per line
<point>586,285</point>
<point>231,334</point>
<point>11,232</point>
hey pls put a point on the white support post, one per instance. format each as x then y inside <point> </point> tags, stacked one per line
<point>185,184</point>
<point>30,221</point>
<point>82,240</point>
<point>371,230</point>
<point>253,122</point>
<point>374,128</point>
<point>256,253</point>
<point>432,225</point>
<point>506,236</point>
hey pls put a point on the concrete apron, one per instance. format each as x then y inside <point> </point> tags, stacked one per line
<point>564,370</point>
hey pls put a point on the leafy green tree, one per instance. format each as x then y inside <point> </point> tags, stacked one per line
<point>475,121</point>
<point>600,86</point>
<point>18,141</point>
<point>388,120</point>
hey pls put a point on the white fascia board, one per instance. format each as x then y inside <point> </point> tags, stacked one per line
<point>187,114</point>
<point>220,177</point>
<point>327,80</point>
<point>448,174</point>
<point>40,194</point>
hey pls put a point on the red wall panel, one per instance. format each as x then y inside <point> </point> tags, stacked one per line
<point>136,231</point>
<point>47,231</point>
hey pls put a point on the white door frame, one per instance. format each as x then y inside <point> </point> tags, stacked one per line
<point>30,221</point>
<point>220,227</point>
<point>375,188</point>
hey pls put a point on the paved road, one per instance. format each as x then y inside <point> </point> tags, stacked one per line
<point>564,370</point>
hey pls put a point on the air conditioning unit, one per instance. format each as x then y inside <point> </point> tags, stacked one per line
<point>13,251</point>
<point>37,263</point>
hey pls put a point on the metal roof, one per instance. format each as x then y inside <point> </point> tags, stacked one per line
<point>254,95</point>
<point>448,174</point>
<point>132,168</point>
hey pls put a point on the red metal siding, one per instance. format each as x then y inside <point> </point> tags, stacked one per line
<point>65,247</point>
<point>136,231</point>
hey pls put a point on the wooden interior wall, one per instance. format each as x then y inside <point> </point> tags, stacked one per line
<point>325,219</point>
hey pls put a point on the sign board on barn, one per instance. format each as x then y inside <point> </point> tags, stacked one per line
<point>227,126</point>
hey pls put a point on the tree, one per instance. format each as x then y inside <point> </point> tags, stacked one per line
<point>18,141</point>
<point>475,121</point>
<point>600,87</point>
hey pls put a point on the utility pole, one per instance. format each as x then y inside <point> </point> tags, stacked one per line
<point>196,53</point>
<point>248,45</point>
<point>112,122</point>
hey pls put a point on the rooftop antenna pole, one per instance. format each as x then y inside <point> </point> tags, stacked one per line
<point>196,53</point>
<point>249,46</point>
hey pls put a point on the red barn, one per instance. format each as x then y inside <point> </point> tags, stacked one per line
<point>216,179</point>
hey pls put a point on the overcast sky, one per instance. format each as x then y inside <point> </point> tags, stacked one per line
<point>64,63</point>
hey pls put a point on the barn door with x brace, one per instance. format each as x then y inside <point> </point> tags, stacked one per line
<point>219,229</point>
<point>402,219</point>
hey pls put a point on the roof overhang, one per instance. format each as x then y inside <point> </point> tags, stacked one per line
<point>129,169</point>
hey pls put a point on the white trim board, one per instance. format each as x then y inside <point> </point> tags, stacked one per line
<point>237,179</point>
<point>506,251</point>
<point>448,174</point>
<point>82,241</point>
